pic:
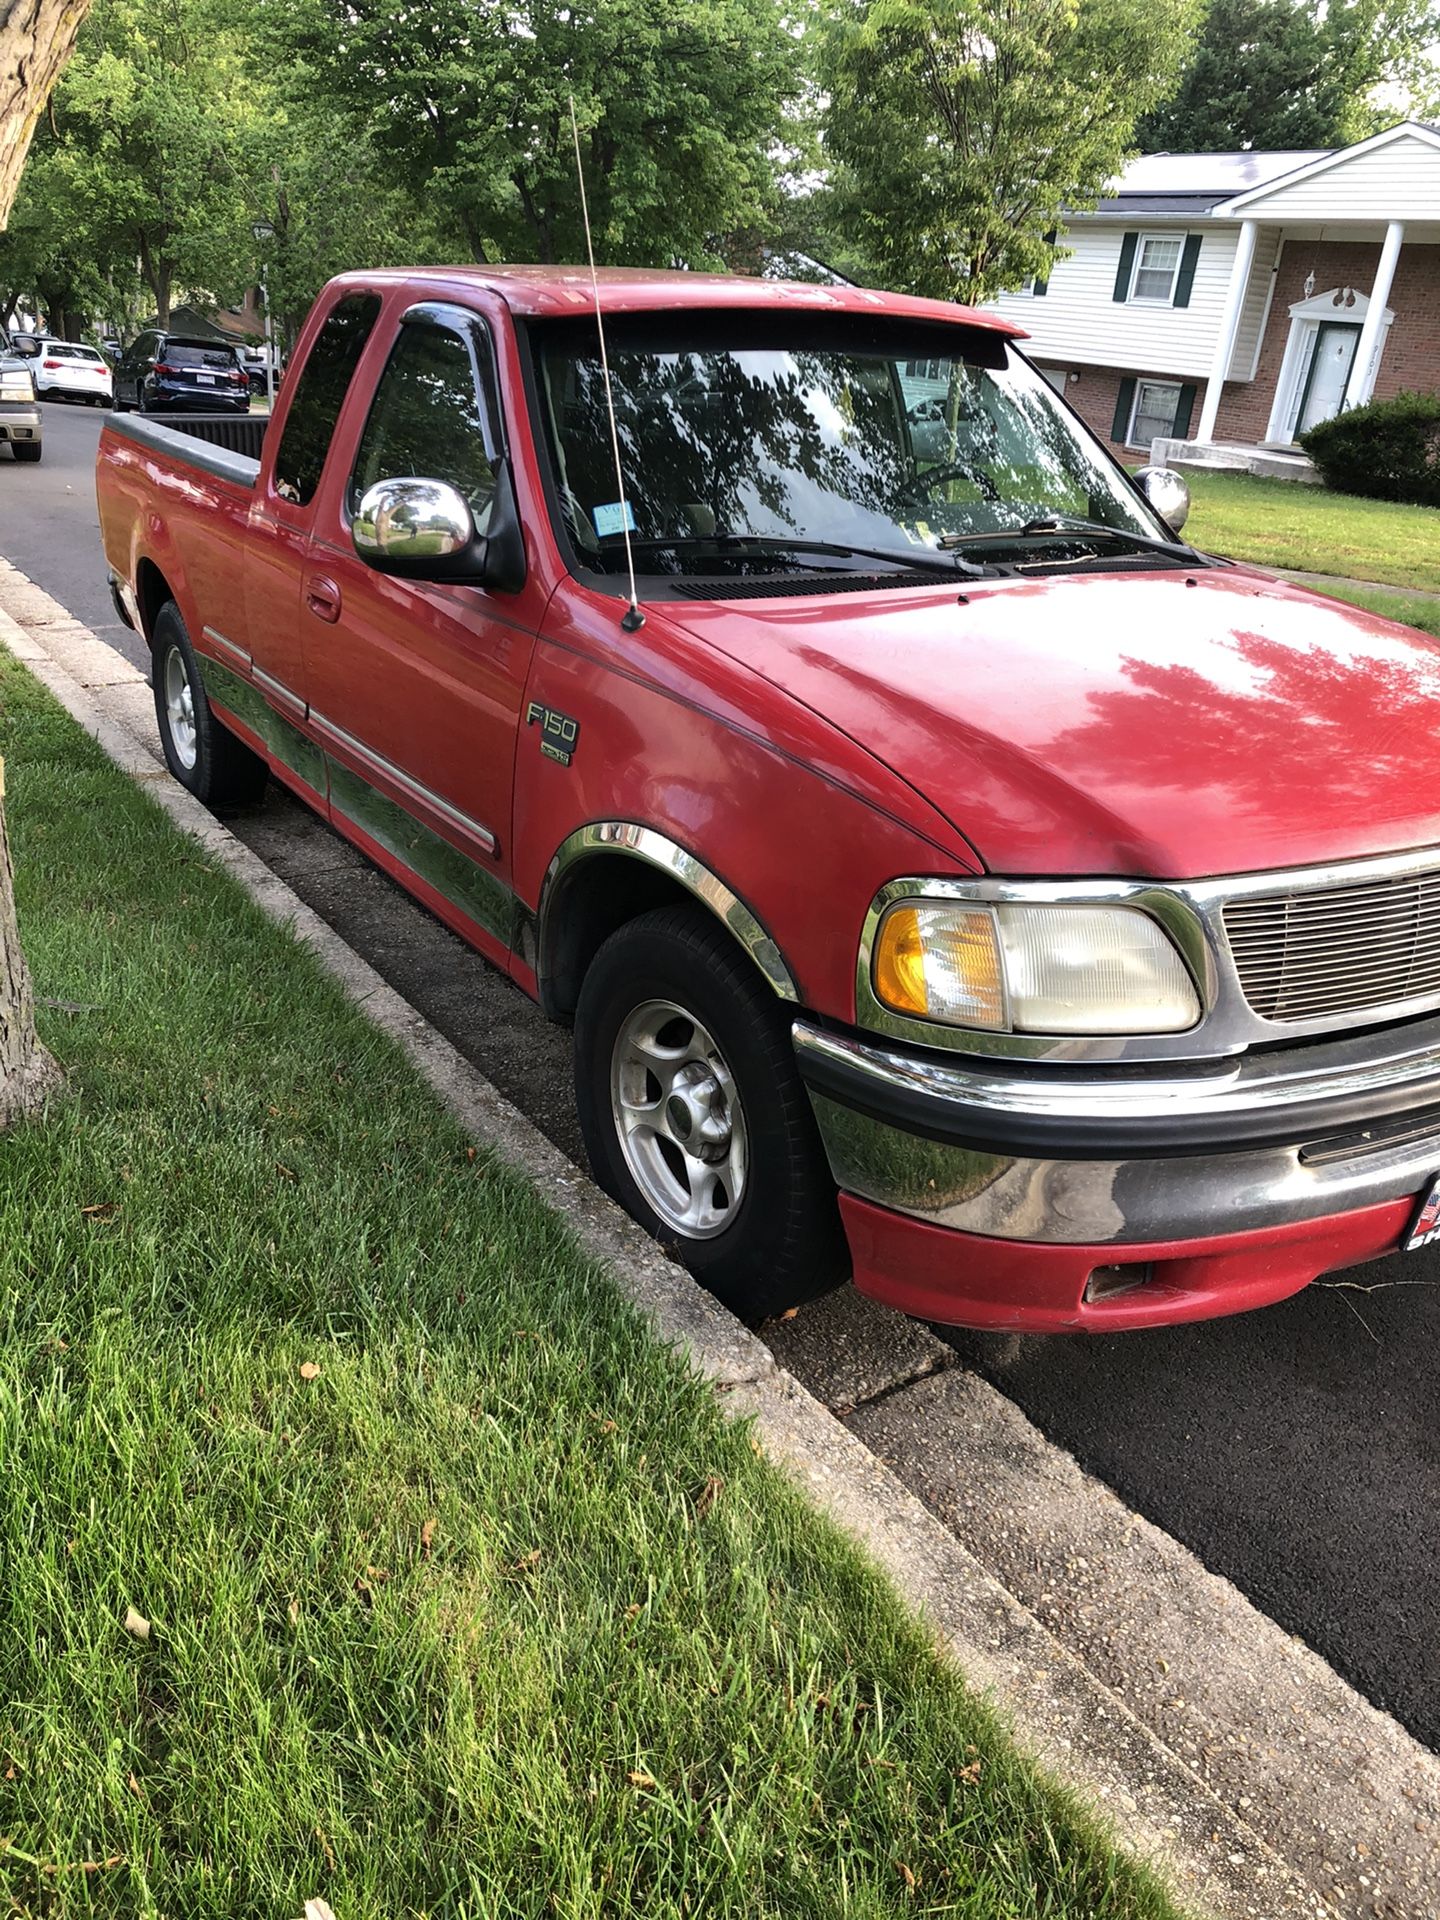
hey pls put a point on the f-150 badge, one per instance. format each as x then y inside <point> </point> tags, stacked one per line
<point>558,732</point>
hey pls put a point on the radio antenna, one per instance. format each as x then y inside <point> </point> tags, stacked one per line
<point>633,617</point>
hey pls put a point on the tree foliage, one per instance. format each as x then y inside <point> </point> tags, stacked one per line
<point>963,128</point>
<point>681,112</point>
<point>159,127</point>
<point>1288,74</point>
<point>335,205</point>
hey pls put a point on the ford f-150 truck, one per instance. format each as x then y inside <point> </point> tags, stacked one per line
<point>951,876</point>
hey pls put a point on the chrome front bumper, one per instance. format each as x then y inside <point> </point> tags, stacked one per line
<point>1086,1156</point>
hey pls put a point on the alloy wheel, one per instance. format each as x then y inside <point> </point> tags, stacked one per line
<point>678,1117</point>
<point>180,709</point>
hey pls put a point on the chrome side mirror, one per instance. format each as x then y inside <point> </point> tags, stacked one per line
<point>425,530</point>
<point>26,345</point>
<point>1167,493</point>
<point>405,525</point>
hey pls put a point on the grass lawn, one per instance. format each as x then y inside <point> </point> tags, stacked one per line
<point>1277,523</point>
<point>462,1598</point>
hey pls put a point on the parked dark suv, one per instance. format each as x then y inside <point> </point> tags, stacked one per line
<point>172,372</point>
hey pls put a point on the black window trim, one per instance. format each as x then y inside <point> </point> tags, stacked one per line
<point>475,335</point>
<point>273,492</point>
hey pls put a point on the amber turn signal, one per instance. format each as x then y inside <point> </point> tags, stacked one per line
<point>941,963</point>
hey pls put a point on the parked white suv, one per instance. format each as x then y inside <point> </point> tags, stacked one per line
<point>73,371</point>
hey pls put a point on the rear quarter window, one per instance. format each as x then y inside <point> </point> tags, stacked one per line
<point>317,399</point>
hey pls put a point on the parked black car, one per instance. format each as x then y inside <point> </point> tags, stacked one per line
<point>173,372</point>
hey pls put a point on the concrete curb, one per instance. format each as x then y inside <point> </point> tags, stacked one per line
<point>1062,1712</point>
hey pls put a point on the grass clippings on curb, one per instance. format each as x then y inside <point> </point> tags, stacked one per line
<point>359,1544</point>
<point>1280,523</point>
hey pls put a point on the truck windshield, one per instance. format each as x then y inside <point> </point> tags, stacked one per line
<point>751,445</point>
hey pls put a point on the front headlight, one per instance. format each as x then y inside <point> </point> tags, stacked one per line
<point>16,386</point>
<point>1066,969</point>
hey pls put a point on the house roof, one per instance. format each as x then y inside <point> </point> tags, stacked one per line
<point>1195,182</point>
<point>1409,132</point>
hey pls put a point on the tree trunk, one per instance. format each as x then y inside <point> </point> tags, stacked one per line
<point>27,1072</point>
<point>36,37</point>
<point>35,41</point>
<point>156,270</point>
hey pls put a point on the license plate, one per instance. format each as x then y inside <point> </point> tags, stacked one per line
<point>1424,1230</point>
<point>206,379</point>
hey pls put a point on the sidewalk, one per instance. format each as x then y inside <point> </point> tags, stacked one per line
<point>1257,1775</point>
<point>1326,581</point>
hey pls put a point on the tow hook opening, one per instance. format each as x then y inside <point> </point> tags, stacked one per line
<point>1106,1282</point>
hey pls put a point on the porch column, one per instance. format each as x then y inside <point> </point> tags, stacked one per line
<point>1229,327</point>
<point>1373,331</point>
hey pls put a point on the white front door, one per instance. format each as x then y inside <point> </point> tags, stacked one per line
<point>1334,356</point>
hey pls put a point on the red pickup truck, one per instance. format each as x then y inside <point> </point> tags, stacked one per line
<point>951,876</point>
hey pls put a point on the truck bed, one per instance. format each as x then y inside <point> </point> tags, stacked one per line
<point>225,444</point>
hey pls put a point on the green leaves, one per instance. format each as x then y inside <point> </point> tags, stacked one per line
<point>682,112</point>
<point>964,128</point>
<point>156,132</point>
<point>1283,74</point>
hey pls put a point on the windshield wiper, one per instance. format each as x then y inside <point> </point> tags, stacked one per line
<point>1050,524</point>
<point>925,559</point>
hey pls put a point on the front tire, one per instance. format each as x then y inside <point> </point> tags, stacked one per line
<point>30,450</point>
<point>202,753</point>
<point>694,1117</point>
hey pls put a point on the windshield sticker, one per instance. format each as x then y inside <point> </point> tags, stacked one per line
<point>616,517</point>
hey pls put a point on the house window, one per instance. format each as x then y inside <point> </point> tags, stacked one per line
<point>1157,263</point>
<point>1157,402</point>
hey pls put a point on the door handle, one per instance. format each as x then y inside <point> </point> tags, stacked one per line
<point>322,597</point>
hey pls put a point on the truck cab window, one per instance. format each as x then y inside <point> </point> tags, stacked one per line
<point>428,421</point>
<point>315,406</point>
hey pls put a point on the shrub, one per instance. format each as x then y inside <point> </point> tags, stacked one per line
<point>1389,450</point>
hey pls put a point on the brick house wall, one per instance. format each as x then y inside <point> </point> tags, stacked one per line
<point>1095,395</point>
<point>1411,356</point>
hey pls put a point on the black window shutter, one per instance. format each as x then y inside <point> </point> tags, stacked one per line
<point>1184,408</point>
<point>1124,406</point>
<point>1127,265</point>
<point>1041,283</point>
<point>1186,278</point>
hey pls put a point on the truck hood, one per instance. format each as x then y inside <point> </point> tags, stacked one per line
<point>1163,725</point>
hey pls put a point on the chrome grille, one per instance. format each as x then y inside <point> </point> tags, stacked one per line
<point>1338,950</point>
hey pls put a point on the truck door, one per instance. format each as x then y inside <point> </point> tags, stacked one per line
<point>415,688</point>
<point>277,537</point>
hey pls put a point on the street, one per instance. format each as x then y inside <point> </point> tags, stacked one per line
<point>1295,1451</point>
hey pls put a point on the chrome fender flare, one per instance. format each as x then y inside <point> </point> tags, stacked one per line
<point>629,839</point>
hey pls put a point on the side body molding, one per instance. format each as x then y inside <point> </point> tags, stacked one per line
<point>626,838</point>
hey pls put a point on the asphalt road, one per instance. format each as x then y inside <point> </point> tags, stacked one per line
<point>1296,1451</point>
<point>48,519</point>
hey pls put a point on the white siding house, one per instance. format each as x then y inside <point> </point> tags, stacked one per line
<point>1244,296</point>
